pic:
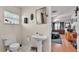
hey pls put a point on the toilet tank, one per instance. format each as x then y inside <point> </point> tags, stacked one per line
<point>9,40</point>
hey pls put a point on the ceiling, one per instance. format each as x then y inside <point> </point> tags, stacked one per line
<point>29,6</point>
<point>63,13</point>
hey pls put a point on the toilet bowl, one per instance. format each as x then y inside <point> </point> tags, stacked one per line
<point>11,44</point>
<point>14,47</point>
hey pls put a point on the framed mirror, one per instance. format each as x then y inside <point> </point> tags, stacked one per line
<point>41,16</point>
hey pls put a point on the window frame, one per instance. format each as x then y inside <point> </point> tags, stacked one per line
<point>16,18</point>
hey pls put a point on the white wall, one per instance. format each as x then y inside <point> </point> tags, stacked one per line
<point>27,11</point>
<point>9,30</point>
<point>32,27</point>
<point>63,13</point>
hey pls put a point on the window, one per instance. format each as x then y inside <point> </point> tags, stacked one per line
<point>11,18</point>
<point>57,26</point>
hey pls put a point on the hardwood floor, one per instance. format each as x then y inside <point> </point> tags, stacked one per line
<point>64,47</point>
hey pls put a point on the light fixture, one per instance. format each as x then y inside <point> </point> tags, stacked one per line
<point>56,20</point>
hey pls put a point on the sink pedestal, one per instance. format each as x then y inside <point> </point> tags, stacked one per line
<point>39,40</point>
<point>39,45</point>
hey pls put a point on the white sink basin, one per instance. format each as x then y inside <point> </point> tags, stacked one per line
<point>39,37</point>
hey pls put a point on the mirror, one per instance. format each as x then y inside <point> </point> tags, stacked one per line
<point>41,16</point>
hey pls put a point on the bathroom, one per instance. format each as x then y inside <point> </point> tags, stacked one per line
<point>22,31</point>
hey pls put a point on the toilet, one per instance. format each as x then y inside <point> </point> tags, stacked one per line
<point>14,47</point>
<point>11,44</point>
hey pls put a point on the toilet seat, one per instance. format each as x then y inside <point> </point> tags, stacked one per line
<point>14,46</point>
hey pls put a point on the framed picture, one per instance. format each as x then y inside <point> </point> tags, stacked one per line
<point>26,20</point>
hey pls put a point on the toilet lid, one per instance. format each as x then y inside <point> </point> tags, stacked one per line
<point>14,45</point>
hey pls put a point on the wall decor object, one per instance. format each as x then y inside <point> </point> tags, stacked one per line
<point>32,16</point>
<point>41,15</point>
<point>26,20</point>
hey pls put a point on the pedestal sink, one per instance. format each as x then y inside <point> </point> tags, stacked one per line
<point>39,39</point>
